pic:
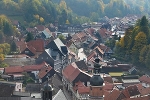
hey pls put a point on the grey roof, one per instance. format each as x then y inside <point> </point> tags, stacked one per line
<point>60,96</point>
<point>59,44</point>
<point>51,53</point>
<point>47,33</point>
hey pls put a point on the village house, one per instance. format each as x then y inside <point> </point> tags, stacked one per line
<point>145,80</point>
<point>72,47</point>
<point>32,48</point>
<point>37,72</point>
<point>56,55</point>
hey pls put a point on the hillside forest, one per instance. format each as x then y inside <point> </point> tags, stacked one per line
<point>31,12</point>
<point>134,47</point>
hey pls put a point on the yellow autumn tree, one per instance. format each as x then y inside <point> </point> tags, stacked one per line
<point>1,57</point>
<point>36,17</point>
<point>67,21</point>
<point>41,19</point>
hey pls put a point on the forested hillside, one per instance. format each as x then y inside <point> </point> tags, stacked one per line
<point>72,11</point>
<point>135,45</point>
<point>111,8</point>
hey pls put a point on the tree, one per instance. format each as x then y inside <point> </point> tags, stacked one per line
<point>29,37</point>
<point>13,47</point>
<point>62,38</point>
<point>63,17</point>
<point>145,28</point>
<point>41,19</point>
<point>147,60</point>
<point>140,42</point>
<point>67,22</point>
<point>143,54</point>
<point>1,57</point>
<point>5,48</point>
<point>1,37</point>
<point>3,65</point>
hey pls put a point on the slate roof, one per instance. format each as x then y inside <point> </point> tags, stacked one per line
<point>81,65</point>
<point>33,88</point>
<point>60,96</point>
<point>111,69</point>
<point>6,90</point>
<point>57,45</point>
<point>47,33</point>
<point>51,53</point>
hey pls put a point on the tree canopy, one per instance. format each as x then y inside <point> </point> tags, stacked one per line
<point>134,46</point>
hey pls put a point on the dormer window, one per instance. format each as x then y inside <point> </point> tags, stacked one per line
<point>26,52</point>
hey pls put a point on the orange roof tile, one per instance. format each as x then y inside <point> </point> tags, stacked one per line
<point>145,79</point>
<point>114,94</point>
<point>83,90</point>
<point>108,86</point>
<point>37,44</point>
<point>108,79</point>
<point>11,70</point>
<point>44,71</point>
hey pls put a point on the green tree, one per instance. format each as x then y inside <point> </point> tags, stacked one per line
<point>140,42</point>
<point>62,38</point>
<point>29,37</point>
<point>1,37</point>
<point>63,17</point>
<point>145,28</point>
<point>3,65</point>
<point>147,60</point>
<point>143,54</point>
<point>1,57</point>
<point>13,47</point>
<point>5,48</point>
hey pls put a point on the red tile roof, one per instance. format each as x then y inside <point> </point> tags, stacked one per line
<point>40,27</point>
<point>102,32</point>
<point>131,90</point>
<point>82,89</point>
<point>11,70</point>
<point>99,49</point>
<point>108,79</point>
<point>92,54</point>
<point>113,95</point>
<point>139,98</point>
<point>139,86</point>
<point>44,71</point>
<point>72,71</point>
<point>74,74</point>
<point>90,31</point>
<point>67,71</point>
<point>108,86</point>
<point>145,91</point>
<point>145,79</point>
<point>37,44</point>
<point>20,69</point>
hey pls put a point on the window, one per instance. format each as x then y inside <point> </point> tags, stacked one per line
<point>26,52</point>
